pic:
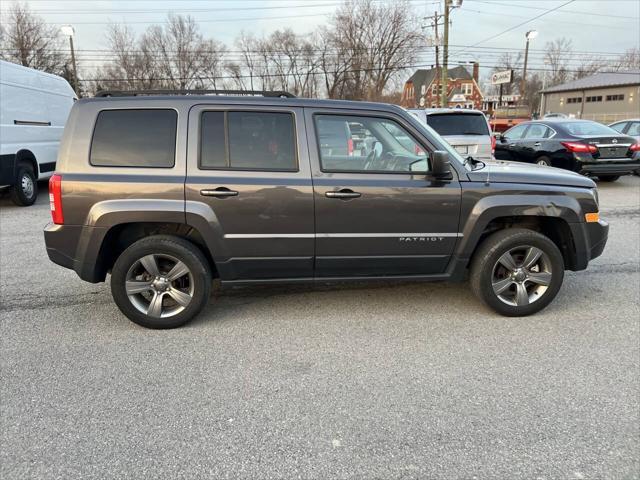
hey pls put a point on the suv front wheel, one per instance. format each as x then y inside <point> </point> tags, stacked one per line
<point>161,281</point>
<point>517,272</point>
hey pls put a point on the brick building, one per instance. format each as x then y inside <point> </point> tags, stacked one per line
<point>423,88</point>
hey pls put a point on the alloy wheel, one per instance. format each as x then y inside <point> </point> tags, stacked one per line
<point>159,285</point>
<point>521,275</point>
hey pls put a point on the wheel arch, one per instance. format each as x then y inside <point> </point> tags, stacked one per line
<point>119,237</point>
<point>554,216</point>
<point>26,156</point>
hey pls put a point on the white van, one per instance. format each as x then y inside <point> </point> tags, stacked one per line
<point>34,107</point>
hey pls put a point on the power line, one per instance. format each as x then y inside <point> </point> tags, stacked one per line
<point>578,12</point>
<point>547,12</point>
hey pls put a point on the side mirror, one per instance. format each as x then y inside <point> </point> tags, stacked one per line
<point>440,166</point>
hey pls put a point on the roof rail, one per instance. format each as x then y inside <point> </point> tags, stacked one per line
<point>135,93</point>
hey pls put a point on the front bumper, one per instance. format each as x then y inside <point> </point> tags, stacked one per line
<point>589,240</point>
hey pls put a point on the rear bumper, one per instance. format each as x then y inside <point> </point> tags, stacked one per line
<point>610,168</point>
<point>68,245</point>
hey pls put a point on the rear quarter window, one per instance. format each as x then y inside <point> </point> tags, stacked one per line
<point>134,138</point>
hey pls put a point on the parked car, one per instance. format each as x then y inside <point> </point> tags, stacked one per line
<point>555,115</point>
<point>582,146</point>
<point>34,108</point>
<point>466,130</point>
<point>166,193</point>
<point>629,127</point>
<point>503,118</point>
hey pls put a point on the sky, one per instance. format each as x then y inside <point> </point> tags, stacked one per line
<point>480,30</point>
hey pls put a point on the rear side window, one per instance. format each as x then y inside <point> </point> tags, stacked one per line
<point>458,124</point>
<point>134,138</point>
<point>537,131</point>
<point>248,141</point>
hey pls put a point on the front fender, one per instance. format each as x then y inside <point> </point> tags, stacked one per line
<point>491,207</point>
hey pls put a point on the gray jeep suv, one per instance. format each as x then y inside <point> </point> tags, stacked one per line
<point>167,192</point>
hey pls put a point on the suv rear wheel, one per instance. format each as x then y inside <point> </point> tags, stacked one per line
<point>161,282</point>
<point>517,272</point>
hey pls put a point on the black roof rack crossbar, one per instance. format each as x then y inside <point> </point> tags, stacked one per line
<point>135,93</point>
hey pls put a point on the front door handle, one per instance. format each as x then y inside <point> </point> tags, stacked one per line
<point>512,144</point>
<point>344,193</point>
<point>537,144</point>
<point>220,192</point>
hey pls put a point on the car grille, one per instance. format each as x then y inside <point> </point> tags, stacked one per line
<point>613,152</point>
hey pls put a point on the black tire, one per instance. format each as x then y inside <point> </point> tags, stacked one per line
<point>485,261</point>
<point>162,245</point>
<point>608,178</point>
<point>25,190</point>
<point>545,161</point>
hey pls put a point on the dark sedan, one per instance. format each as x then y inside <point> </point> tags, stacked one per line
<point>583,146</point>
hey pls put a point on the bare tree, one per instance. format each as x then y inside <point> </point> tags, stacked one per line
<point>25,39</point>
<point>378,40</point>
<point>589,66</point>
<point>173,55</point>
<point>629,60</point>
<point>558,55</point>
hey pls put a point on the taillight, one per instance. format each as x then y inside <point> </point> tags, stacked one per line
<point>55,199</point>
<point>635,147</point>
<point>579,147</point>
<point>350,146</point>
<point>493,144</point>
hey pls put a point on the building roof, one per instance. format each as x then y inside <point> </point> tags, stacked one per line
<point>599,80</point>
<point>426,77</point>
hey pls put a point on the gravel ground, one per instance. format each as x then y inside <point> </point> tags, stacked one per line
<point>400,381</point>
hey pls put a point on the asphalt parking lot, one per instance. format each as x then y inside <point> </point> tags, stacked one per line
<point>402,381</point>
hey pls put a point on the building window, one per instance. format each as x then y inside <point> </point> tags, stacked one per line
<point>467,88</point>
<point>615,98</point>
<point>436,90</point>
<point>574,100</point>
<point>595,98</point>
<point>423,89</point>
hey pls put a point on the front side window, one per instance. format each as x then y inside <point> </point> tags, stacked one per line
<point>619,127</point>
<point>516,132</point>
<point>134,138</point>
<point>367,145</point>
<point>634,129</point>
<point>248,141</point>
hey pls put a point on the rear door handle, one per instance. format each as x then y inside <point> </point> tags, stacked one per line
<point>220,192</point>
<point>537,144</point>
<point>344,193</point>
<point>512,144</point>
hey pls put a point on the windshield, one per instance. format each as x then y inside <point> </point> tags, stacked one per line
<point>585,129</point>
<point>458,124</point>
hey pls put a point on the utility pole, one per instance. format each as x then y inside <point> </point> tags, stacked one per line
<point>445,56</point>
<point>448,6</point>
<point>531,34</point>
<point>436,18</point>
<point>69,31</point>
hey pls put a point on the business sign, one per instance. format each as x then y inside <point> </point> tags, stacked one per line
<point>505,76</point>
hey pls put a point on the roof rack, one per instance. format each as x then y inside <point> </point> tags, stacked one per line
<point>135,93</point>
